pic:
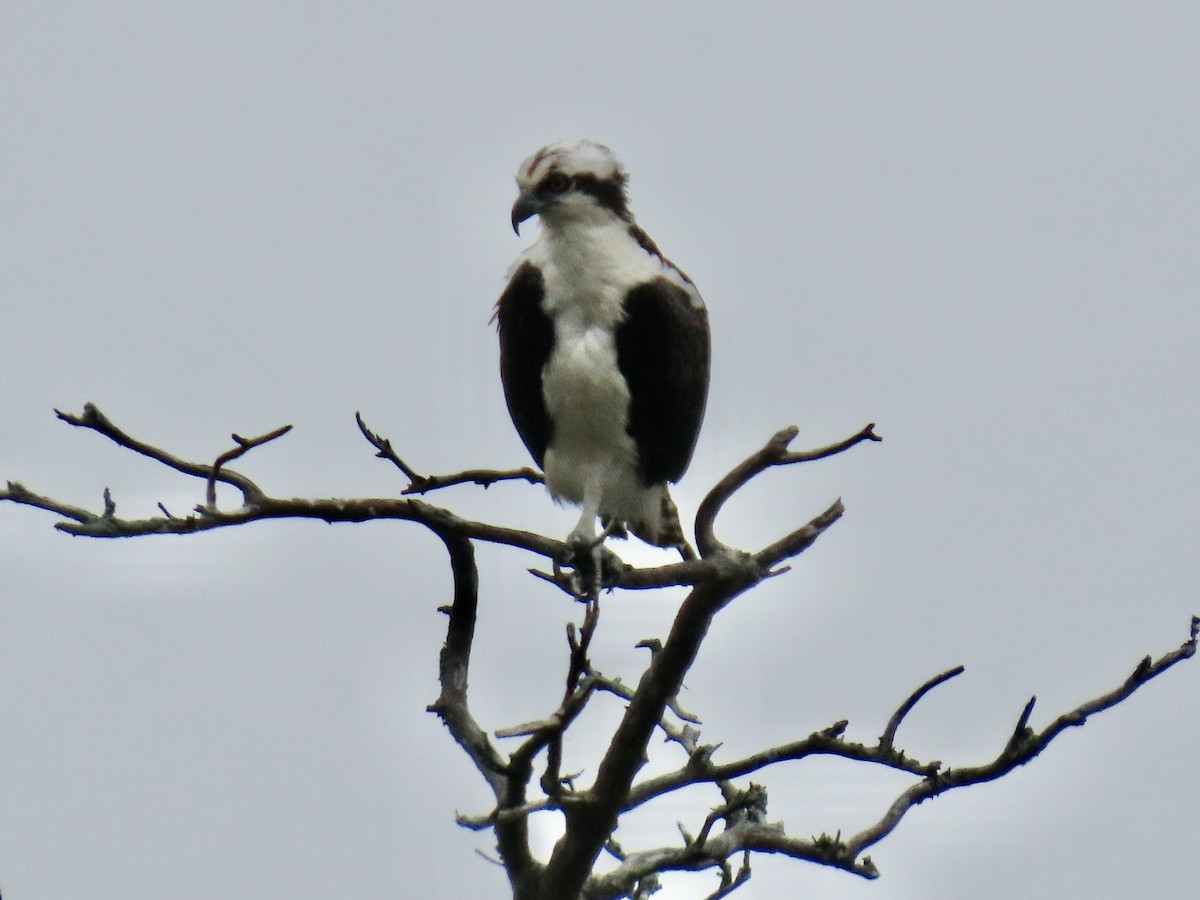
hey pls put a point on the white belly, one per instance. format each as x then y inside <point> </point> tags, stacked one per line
<point>588,402</point>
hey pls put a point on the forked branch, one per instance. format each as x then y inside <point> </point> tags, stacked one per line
<point>774,453</point>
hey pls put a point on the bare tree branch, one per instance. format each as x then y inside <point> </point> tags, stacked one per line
<point>508,780</point>
<point>96,421</point>
<point>18,493</point>
<point>423,484</point>
<point>773,453</point>
<point>893,725</point>
<point>797,541</point>
<point>731,882</point>
<point>1023,747</point>
<point>591,817</point>
<point>455,660</point>
<point>258,506</point>
<point>577,684</point>
<point>244,445</point>
<point>737,826</point>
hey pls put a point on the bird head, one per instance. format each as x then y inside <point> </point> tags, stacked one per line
<point>570,180</point>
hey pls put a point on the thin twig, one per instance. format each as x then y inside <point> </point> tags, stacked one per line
<point>576,683</point>
<point>244,445</point>
<point>730,884</point>
<point>889,733</point>
<point>797,541</point>
<point>423,484</point>
<point>1021,731</point>
<point>93,419</point>
<point>867,433</point>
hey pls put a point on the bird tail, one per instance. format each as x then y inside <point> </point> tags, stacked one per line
<point>669,530</point>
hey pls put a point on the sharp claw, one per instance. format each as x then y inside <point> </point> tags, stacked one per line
<point>584,555</point>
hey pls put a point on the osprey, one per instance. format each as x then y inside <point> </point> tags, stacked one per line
<point>604,349</point>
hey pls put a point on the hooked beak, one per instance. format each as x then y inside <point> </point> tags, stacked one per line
<point>525,207</point>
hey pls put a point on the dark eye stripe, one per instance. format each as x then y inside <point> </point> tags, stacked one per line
<point>555,182</point>
<point>609,192</point>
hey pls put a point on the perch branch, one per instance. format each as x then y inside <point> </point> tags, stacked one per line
<point>85,523</point>
<point>257,506</point>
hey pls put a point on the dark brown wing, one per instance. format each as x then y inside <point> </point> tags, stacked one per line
<point>663,352</point>
<point>526,338</point>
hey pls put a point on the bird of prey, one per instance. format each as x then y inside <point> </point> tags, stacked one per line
<point>604,349</point>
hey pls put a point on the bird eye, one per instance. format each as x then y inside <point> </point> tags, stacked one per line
<point>556,182</point>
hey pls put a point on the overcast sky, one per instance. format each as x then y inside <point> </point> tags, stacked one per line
<point>974,224</point>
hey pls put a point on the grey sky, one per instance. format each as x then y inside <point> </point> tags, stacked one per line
<point>974,224</point>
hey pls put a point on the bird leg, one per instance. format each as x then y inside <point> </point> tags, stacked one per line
<point>584,548</point>
<point>586,556</point>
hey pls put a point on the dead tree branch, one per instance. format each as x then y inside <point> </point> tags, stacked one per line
<point>737,825</point>
<point>423,484</point>
<point>95,420</point>
<point>1024,745</point>
<point>773,453</point>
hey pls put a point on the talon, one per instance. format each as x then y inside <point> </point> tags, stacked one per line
<point>585,554</point>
